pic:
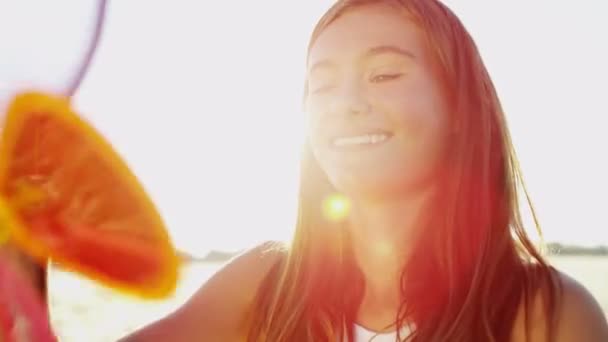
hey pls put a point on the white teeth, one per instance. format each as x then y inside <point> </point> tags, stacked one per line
<point>360,140</point>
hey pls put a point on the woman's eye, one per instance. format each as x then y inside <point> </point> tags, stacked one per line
<point>320,88</point>
<point>385,77</point>
<point>321,81</point>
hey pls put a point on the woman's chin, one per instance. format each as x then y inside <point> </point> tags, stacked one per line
<point>367,186</point>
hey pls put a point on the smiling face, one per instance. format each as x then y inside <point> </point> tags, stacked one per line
<point>378,120</point>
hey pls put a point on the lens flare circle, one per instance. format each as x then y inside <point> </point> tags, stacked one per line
<point>336,207</point>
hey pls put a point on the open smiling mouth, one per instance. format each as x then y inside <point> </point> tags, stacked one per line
<point>362,140</point>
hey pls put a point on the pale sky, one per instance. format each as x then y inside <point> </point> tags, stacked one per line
<point>203,100</point>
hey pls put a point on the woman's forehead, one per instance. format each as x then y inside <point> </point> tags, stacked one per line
<point>365,28</point>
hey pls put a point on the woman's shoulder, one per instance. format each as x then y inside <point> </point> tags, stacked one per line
<point>578,315</point>
<point>581,317</point>
<point>251,266</point>
<point>229,293</point>
<point>218,309</point>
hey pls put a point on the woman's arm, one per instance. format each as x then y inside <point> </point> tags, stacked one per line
<point>217,311</point>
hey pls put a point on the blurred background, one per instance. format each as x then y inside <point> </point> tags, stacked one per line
<point>203,101</point>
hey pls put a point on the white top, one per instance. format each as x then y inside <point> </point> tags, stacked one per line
<point>364,335</point>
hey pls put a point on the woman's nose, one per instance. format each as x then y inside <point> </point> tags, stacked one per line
<point>350,99</point>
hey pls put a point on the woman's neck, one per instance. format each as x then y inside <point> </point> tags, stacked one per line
<point>383,236</point>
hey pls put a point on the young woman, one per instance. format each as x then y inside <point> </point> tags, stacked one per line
<point>406,127</point>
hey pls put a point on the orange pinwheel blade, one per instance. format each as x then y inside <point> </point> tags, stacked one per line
<point>71,197</point>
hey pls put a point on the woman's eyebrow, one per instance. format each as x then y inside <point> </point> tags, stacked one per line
<point>388,49</point>
<point>371,52</point>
